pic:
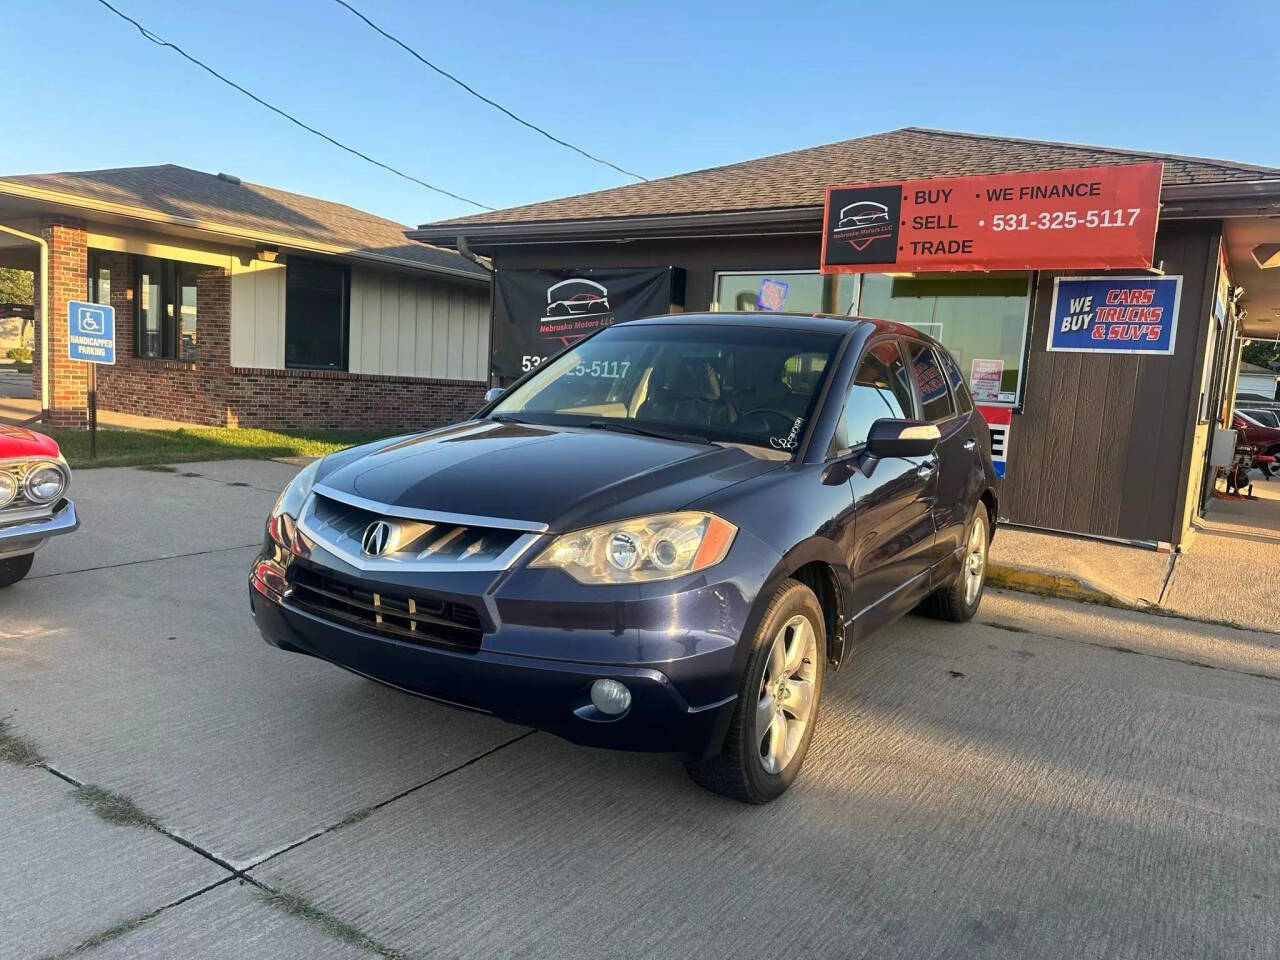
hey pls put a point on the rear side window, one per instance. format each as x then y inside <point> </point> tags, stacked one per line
<point>880,390</point>
<point>958,389</point>
<point>935,395</point>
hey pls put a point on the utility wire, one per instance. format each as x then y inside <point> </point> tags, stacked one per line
<point>292,119</point>
<point>480,96</point>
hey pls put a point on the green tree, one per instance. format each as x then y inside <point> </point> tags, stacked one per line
<point>16,286</point>
<point>1264,353</point>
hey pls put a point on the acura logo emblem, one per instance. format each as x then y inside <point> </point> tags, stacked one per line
<point>377,538</point>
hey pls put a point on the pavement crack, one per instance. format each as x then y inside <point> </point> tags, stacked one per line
<point>132,923</point>
<point>16,749</point>
<point>365,812</point>
<point>1120,648</point>
<point>120,810</point>
<point>304,909</point>
<point>191,474</point>
<point>1168,576</point>
<point>134,563</point>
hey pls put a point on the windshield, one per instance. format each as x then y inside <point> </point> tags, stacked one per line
<point>754,385</point>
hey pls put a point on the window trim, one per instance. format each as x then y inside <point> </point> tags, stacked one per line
<point>346,315</point>
<point>835,453</point>
<point>942,367</point>
<point>170,332</point>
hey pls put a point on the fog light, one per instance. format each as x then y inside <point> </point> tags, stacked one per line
<point>610,696</point>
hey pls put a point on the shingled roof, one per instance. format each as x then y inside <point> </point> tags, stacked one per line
<point>169,192</point>
<point>800,178</point>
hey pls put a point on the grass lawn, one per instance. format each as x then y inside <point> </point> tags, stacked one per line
<point>129,448</point>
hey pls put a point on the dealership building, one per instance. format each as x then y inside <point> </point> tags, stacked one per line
<point>1111,443</point>
<point>242,305</point>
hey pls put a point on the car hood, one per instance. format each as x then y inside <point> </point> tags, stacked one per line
<point>564,478</point>
<point>20,442</point>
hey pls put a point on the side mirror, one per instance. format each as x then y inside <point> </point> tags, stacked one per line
<point>902,438</point>
<point>492,394</point>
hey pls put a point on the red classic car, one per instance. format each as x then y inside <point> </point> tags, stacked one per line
<point>33,504</point>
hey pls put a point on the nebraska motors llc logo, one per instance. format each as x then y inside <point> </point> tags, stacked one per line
<point>575,308</point>
<point>863,225</point>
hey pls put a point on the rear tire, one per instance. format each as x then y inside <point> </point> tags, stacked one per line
<point>15,568</point>
<point>777,706</point>
<point>959,600</point>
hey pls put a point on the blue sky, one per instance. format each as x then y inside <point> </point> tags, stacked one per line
<point>657,86</point>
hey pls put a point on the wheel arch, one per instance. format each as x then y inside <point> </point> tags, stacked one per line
<point>819,564</point>
<point>992,503</point>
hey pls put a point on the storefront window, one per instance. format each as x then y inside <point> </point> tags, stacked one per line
<point>982,319</point>
<point>166,318</point>
<point>794,291</point>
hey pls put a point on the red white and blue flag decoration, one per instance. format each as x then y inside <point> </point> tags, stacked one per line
<point>999,419</point>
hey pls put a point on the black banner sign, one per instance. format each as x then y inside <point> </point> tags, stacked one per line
<point>537,313</point>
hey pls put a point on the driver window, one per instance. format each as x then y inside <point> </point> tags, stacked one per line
<point>881,389</point>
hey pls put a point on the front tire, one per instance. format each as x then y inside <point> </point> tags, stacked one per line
<point>958,601</point>
<point>14,569</point>
<point>777,705</point>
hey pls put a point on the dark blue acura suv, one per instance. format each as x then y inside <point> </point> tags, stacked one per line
<point>660,539</point>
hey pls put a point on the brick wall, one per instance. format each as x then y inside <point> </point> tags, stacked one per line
<point>210,391</point>
<point>69,403</point>
<point>293,399</point>
<point>171,389</point>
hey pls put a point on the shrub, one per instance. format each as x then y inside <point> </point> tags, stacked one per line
<point>21,354</point>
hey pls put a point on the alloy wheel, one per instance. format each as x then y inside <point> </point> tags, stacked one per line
<point>786,694</point>
<point>975,561</point>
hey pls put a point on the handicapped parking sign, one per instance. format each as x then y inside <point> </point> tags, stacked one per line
<point>91,332</point>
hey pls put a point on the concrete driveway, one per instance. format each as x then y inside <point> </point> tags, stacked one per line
<point>1049,781</point>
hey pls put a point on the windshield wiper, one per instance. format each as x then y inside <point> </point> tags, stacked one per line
<point>618,427</point>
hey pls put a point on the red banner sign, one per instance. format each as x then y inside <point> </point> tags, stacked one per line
<point>1074,219</point>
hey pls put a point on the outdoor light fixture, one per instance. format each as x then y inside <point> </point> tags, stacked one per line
<point>1266,255</point>
<point>267,254</point>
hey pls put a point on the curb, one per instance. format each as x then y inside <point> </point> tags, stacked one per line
<point>1023,580</point>
<point>1055,585</point>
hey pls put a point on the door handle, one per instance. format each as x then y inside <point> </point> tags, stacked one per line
<point>970,443</point>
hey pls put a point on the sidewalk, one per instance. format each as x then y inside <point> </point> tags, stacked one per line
<point>1232,569</point>
<point>1228,572</point>
<point>17,410</point>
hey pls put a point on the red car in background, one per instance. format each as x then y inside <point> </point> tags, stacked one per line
<point>1264,439</point>
<point>33,506</point>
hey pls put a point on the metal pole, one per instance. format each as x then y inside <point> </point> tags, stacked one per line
<point>93,411</point>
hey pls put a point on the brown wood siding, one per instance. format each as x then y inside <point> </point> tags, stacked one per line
<point>1099,446</point>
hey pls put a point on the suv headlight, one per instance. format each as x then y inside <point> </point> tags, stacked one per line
<point>280,525</point>
<point>660,547</point>
<point>293,496</point>
<point>45,482</point>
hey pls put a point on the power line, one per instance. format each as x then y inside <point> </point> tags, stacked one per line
<point>480,96</point>
<point>292,119</point>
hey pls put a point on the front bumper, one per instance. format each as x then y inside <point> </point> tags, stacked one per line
<point>551,695</point>
<point>26,536</point>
